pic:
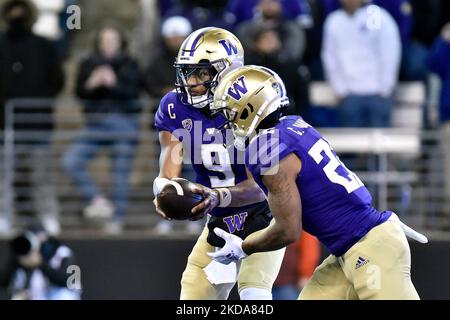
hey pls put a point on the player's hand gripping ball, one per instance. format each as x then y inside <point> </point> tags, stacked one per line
<point>176,199</point>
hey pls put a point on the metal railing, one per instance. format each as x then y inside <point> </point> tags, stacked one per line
<point>402,167</point>
<point>68,121</point>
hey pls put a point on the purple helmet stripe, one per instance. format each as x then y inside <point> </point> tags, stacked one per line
<point>195,43</point>
<point>184,47</point>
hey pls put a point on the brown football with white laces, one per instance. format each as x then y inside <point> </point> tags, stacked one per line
<point>176,199</point>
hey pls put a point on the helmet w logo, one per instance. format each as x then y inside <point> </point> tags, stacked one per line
<point>237,89</point>
<point>229,47</point>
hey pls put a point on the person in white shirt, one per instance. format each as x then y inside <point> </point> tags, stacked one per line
<point>361,55</point>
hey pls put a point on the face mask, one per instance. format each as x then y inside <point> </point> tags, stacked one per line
<point>18,26</point>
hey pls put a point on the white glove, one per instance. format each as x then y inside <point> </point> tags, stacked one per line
<point>231,251</point>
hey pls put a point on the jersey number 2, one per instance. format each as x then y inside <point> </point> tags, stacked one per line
<point>351,182</point>
<point>222,164</point>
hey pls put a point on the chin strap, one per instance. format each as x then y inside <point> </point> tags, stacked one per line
<point>200,102</point>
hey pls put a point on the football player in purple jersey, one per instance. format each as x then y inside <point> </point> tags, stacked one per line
<point>308,187</point>
<point>233,202</point>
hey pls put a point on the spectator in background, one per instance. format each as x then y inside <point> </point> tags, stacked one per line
<point>300,260</point>
<point>400,10</point>
<point>160,77</point>
<point>361,59</point>
<point>274,42</point>
<point>202,13</point>
<point>29,68</point>
<point>109,82</point>
<point>413,52</point>
<point>39,268</point>
<point>439,63</point>
<point>242,11</point>
<point>270,17</point>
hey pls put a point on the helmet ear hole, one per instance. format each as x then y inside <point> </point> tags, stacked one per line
<point>244,114</point>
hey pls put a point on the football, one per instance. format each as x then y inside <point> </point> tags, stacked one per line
<point>176,199</point>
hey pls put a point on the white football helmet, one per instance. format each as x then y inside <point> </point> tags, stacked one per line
<point>248,95</point>
<point>206,53</point>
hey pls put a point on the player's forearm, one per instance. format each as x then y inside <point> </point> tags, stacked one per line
<point>170,159</point>
<point>275,237</point>
<point>285,205</point>
<point>168,168</point>
<point>169,172</point>
<point>246,193</point>
<point>285,229</point>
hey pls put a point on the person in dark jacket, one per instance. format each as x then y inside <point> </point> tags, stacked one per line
<point>271,44</point>
<point>109,82</point>
<point>29,64</point>
<point>160,77</point>
<point>29,69</point>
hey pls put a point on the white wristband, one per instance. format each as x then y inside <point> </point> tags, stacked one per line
<point>158,184</point>
<point>224,197</point>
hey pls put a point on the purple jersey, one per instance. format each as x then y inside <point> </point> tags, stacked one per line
<point>203,146</point>
<point>336,206</point>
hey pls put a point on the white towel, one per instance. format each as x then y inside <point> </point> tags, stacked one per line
<point>218,273</point>
<point>411,233</point>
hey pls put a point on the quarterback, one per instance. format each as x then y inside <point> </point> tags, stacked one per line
<point>310,188</point>
<point>234,203</point>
